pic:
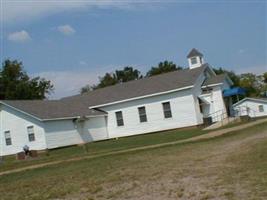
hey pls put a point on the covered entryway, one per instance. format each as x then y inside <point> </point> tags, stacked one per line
<point>232,96</point>
<point>205,104</point>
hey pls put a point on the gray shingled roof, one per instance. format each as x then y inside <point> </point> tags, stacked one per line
<point>215,79</point>
<point>78,105</point>
<point>194,52</point>
<point>52,109</point>
<point>138,88</point>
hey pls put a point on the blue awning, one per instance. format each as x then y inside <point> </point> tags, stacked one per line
<point>234,91</point>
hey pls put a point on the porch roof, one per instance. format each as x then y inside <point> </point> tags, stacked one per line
<point>234,91</point>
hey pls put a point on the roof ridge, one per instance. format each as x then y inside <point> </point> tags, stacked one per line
<point>194,52</point>
<point>128,82</point>
<point>139,80</point>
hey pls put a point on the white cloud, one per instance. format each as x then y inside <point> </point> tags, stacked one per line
<point>68,83</point>
<point>20,36</point>
<point>251,69</point>
<point>17,11</point>
<point>84,63</point>
<point>242,51</point>
<point>66,29</point>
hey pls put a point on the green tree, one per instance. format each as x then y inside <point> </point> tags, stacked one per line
<point>86,89</point>
<point>232,75</point>
<point>119,76</point>
<point>16,84</point>
<point>254,84</point>
<point>265,77</point>
<point>264,88</point>
<point>107,80</point>
<point>163,67</point>
<point>248,81</point>
<point>127,74</point>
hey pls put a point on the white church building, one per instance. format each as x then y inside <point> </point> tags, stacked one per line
<point>168,101</point>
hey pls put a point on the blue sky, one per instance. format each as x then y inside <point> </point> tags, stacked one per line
<point>74,43</point>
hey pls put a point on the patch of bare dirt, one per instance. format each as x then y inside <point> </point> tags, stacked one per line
<point>193,172</point>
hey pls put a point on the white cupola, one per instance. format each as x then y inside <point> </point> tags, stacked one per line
<point>195,58</point>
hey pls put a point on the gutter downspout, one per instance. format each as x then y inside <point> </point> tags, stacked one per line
<point>106,121</point>
<point>45,136</point>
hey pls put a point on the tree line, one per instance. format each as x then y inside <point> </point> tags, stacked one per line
<point>255,85</point>
<point>15,83</point>
<point>128,73</point>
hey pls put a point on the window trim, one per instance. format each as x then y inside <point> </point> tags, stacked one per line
<point>195,59</point>
<point>8,140</point>
<point>142,120</point>
<point>261,108</point>
<point>201,60</point>
<point>31,135</point>
<point>167,111</point>
<point>120,121</point>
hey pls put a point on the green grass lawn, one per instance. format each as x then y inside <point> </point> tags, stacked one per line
<point>103,147</point>
<point>232,166</point>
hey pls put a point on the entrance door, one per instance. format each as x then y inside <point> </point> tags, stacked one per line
<point>228,105</point>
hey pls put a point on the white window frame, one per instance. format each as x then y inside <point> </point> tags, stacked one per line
<point>31,134</point>
<point>8,139</point>
<point>167,112</point>
<point>119,119</point>
<point>261,108</point>
<point>142,116</point>
<point>193,59</point>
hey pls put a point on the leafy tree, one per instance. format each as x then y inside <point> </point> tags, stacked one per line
<point>86,89</point>
<point>163,67</point>
<point>265,77</point>
<point>107,80</point>
<point>248,81</point>
<point>254,84</point>
<point>127,74</point>
<point>234,77</point>
<point>16,84</point>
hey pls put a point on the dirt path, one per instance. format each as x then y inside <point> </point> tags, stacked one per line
<point>194,171</point>
<point>212,134</point>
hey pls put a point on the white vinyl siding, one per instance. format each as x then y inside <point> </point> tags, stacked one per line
<point>61,133</point>
<point>142,114</point>
<point>182,107</point>
<point>251,107</point>
<point>17,123</point>
<point>50,134</point>
<point>217,108</point>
